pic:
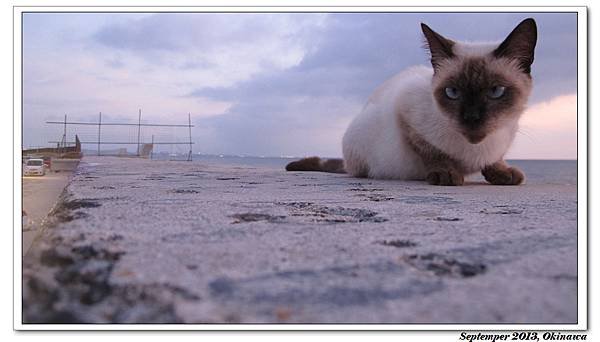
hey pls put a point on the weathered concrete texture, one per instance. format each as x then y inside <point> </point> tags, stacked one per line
<point>156,241</point>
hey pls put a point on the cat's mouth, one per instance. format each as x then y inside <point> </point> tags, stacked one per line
<point>474,137</point>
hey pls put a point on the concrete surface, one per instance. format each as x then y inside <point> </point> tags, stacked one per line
<point>169,242</point>
<point>40,194</point>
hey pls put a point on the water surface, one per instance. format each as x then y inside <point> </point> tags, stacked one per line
<point>536,171</point>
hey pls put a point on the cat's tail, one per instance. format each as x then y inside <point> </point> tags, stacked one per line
<point>317,164</point>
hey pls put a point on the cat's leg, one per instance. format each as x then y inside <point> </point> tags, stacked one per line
<point>501,173</point>
<point>444,175</point>
<point>441,168</point>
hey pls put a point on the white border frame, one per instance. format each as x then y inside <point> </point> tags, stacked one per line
<point>582,183</point>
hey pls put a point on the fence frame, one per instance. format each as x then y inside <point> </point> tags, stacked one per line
<point>65,123</point>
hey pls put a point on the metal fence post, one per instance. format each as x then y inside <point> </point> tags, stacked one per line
<point>99,125</point>
<point>139,127</point>
<point>190,127</point>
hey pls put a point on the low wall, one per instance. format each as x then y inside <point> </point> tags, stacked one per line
<point>64,164</point>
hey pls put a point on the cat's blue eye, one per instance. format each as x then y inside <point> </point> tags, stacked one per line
<point>497,92</point>
<point>452,93</point>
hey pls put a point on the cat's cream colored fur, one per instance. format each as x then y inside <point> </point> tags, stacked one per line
<point>443,122</point>
<point>375,144</point>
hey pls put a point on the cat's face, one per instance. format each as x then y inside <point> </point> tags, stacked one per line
<point>482,87</point>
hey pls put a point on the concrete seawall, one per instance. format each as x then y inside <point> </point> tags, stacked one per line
<point>136,241</point>
<point>64,164</point>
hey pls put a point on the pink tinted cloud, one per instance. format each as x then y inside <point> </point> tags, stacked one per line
<point>548,130</point>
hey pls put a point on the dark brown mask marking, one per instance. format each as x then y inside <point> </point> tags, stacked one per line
<point>474,110</point>
<point>470,106</point>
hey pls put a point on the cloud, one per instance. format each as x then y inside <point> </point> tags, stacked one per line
<point>355,54</point>
<point>365,49</point>
<point>548,130</point>
<point>205,31</point>
<point>237,44</point>
<point>304,124</point>
<point>258,83</point>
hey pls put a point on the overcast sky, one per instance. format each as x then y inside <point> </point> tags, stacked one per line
<point>265,84</point>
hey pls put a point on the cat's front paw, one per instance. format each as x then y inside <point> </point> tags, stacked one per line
<point>445,177</point>
<point>503,175</point>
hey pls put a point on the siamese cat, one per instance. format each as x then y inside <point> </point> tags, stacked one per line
<point>442,123</point>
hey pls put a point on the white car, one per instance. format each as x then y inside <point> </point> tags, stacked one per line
<point>34,167</point>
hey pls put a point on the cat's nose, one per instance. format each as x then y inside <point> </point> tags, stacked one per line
<point>472,117</point>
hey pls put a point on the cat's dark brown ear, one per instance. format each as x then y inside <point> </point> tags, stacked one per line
<point>520,44</point>
<point>439,47</point>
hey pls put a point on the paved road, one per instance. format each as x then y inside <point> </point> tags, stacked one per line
<point>169,242</point>
<point>40,194</point>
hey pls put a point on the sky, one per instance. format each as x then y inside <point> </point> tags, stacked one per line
<point>265,84</point>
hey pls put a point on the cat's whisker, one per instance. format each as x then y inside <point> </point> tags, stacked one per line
<point>525,133</point>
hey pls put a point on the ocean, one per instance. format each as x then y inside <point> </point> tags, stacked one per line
<point>536,171</point>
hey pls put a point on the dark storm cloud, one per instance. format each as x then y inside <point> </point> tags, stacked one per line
<point>352,53</point>
<point>349,58</point>
<point>356,52</point>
